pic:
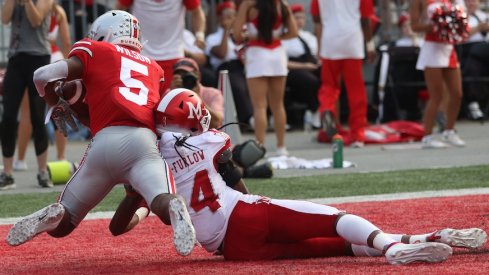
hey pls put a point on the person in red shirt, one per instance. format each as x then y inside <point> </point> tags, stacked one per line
<point>122,90</point>
<point>342,27</point>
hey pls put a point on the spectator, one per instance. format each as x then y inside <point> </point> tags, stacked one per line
<point>408,37</point>
<point>58,25</point>
<point>442,74</point>
<point>213,99</point>
<point>342,27</point>
<point>304,70</point>
<point>123,148</point>
<point>223,55</point>
<point>267,22</point>
<point>191,50</point>
<point>84,15</point>
<point>29,49</point>
<point>186,74</point>
<point>404,53</point>
<point>163,23</point>
<point>475,59</point>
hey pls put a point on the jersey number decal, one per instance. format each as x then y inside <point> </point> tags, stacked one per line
<point>203,184</point>
<point>128,65</point>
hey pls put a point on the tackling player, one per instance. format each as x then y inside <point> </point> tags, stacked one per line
<point>122,91</point>
<point>250,227</point>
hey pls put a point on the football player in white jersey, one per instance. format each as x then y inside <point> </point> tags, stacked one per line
<point>250,227</point>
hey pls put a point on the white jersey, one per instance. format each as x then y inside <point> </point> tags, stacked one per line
<point>209,200</point>
<point>162,23</point>
<point>342,36</point>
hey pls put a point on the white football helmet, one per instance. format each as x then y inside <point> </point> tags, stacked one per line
<point>117,27</point>
<point>181,110</point>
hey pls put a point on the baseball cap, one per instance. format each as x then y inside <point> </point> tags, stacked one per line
<point>297,8</point>
<point>186,64</point>
<point>403,18</point>
<point>225,5</point>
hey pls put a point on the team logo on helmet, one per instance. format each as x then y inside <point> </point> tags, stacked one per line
<point>181,110</point>
<point>117,27</point>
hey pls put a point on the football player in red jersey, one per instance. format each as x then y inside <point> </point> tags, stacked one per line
<point>122,90</point>
<point>249,227</point>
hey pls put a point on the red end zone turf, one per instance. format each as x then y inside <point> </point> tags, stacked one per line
<point>148,249</point>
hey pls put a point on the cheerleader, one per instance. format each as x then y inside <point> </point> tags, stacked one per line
<point>439,62</point>
<point>267,23</point>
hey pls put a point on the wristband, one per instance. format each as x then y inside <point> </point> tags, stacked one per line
<point>200,35</point>
<point>370,46</point>
<point>142,213</point>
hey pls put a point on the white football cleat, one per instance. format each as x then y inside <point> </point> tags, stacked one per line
<point>183,231</point>
<point>471,238</point>
<point>43,220</point>
<point>400,253</point>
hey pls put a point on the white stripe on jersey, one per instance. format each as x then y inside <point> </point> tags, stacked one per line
<point>84,42</point>
<point>83,49</point>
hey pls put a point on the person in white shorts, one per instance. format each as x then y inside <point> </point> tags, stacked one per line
<point>241,226</point>
<point>441,68</point>
<point>266,61</point>
<point>122,90</point>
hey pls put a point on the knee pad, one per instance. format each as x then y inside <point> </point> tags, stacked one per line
<point>248,153</point>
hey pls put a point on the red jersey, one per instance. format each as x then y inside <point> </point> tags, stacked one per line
<point>123,86</point>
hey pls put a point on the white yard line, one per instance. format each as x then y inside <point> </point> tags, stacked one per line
<point>382,197</point>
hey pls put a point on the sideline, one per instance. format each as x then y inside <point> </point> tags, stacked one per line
<point>382,197</point>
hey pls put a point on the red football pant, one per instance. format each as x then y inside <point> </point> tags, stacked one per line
<point>266,231</point>
<point>350,70</point>
<point>167,66</point>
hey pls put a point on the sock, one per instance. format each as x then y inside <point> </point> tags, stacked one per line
<point>407,239</point>
<point>357,230</point>
<point>362,250</point>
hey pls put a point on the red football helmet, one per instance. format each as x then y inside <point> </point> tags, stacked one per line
<point>181,110</point>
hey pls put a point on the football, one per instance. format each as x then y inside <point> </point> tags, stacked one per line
<point>74,93</point>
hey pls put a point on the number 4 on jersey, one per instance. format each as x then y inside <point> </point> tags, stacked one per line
<point>202,185</point>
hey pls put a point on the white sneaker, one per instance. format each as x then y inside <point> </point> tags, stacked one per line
<point>184,238</point>
<point>401,253</point>
<point>450,137</point>
<point>282,152</point>
<point>471,238</point>
<point>20,165</point>
<point>43,220</point>
<point>428,142</point>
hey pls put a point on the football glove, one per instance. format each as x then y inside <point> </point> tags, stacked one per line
<point>61,114</point>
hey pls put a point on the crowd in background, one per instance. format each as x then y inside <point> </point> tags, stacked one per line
<point>282,74</point>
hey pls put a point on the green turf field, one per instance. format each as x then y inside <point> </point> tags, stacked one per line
<point>332,185</point>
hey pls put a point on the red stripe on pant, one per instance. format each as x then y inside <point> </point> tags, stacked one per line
<point>263,231</point>
<point>350,70</point>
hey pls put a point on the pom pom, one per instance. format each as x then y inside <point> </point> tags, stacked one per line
<point>450,23</point>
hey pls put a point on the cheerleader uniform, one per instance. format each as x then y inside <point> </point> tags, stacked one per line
<point>262,59</point>
<point>434,52</point>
